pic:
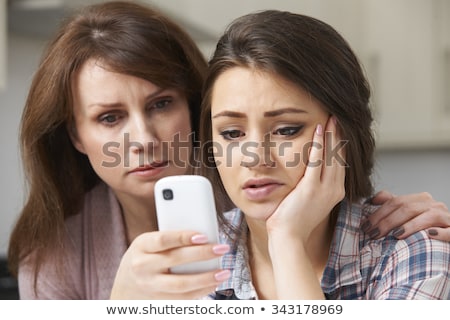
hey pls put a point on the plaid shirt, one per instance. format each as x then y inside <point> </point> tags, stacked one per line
<point>358,267</point>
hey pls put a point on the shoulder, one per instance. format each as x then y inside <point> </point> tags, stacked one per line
<point>98,203</point>
<point>416,257</point>
<point>388,268</point>
<point>94,244</point>
<point>418,249</point>
<point>48,285</point>
<point>414,268</point>
<point>98,230</point>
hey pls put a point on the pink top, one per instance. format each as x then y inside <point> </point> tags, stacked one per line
<point>95,243</point>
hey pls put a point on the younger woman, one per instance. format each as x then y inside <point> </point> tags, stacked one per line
<point>286,112</point>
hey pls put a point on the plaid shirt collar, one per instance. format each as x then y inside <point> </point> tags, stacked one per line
<point>239,286</point>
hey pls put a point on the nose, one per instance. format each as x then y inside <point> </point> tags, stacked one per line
<point>258,152</point>
<point>142,136</point>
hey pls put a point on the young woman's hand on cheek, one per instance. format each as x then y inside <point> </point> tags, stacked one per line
<point>144,270</point>
<point>317,192</point>
<point>299,214</point>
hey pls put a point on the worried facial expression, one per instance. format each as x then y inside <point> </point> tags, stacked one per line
<point>126,126</point>
<point>263,126</point>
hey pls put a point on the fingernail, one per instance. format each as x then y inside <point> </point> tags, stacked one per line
<point>397,232</point>
<point>366,226</point>
<point>374,233</point>
<point>432,232</point>
<point>319,129</point>
<point>199,239</point>
<point>222,275</point>
<point>334,119</point>
<point>221,249</point>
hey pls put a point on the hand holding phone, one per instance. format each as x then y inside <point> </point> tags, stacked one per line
<point>186,202</point>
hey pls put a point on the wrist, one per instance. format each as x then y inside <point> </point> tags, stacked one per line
<point>280,243</point>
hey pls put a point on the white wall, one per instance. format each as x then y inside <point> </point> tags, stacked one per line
<point>413,171</point>
<point>2,44</point>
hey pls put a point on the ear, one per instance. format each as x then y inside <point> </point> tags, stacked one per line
<point>73,134</point>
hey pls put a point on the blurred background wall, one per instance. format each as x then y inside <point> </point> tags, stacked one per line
<point>403,44</point>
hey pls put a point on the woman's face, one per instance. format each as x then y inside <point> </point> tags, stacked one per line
<point>132,131</point>
<point>262,128</point>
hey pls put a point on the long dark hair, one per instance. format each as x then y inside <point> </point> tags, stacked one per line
<point>312,55</point>
<point>127,38</point>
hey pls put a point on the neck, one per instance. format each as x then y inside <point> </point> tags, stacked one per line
<point>261,266</point>
<point>260,262</point>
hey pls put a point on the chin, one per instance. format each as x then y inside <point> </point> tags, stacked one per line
<point>176,171</point>
<point>259,211</point>
<point>144,191</point>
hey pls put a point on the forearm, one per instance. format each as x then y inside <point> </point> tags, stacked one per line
<point>294,274</point>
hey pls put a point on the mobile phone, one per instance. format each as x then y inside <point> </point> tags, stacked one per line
<point>186,202</point>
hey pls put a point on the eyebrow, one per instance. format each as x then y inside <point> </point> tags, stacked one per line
<point>118,104</point>
<point>279,112</point>
<point>231,114</point>
<point>275,113</point>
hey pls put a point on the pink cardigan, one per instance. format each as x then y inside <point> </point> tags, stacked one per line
<point>95,243</point>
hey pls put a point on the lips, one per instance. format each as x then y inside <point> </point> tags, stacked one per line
<point>260,189</point>
<point>150,167</point>
<point>257,183</point>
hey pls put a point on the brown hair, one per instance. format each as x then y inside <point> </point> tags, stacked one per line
<point>312,55</point>
<point>126,37</point>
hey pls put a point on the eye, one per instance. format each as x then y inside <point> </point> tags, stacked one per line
<point>232,134</point>
<point>108,119</point>
<point>288,131</point>
<point>161,104</point>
